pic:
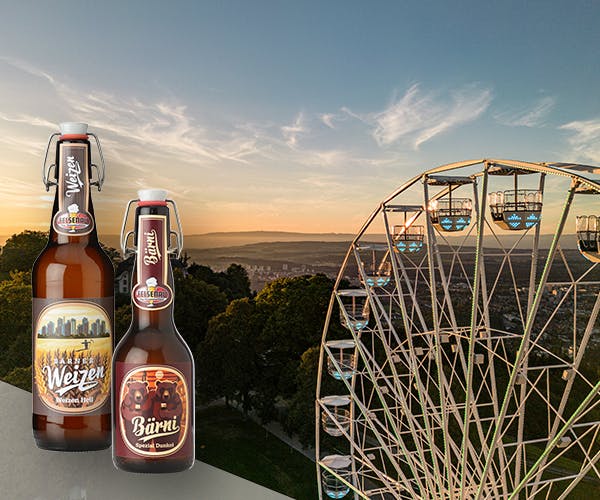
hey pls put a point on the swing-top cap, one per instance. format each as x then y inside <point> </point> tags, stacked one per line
<point>152,195</point>
<point>73,128</point>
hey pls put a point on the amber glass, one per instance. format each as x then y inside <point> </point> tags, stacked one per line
<point>72,267</point>
<point>153,339</point>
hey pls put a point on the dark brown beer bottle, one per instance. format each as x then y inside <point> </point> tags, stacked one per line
<point>73,304</point>
<point>153,383</point>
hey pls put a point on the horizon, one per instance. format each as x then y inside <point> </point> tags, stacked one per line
<point>239,239</point>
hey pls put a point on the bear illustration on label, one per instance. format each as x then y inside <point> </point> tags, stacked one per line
<point>153,410</point>
<point>138,402</point>
<point>167,405</point>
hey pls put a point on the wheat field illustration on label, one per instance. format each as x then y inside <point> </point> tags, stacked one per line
<point>73,347</point>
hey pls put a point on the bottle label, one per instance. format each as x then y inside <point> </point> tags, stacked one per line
<point>154,412</point>
<point>73,217</point>
<point>72,355</point>
<point>152,292</point>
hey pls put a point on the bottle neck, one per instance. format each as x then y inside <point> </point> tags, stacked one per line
<point>73,218</point>
<point>152,291</point>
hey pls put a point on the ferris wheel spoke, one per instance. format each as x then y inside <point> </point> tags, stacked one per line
<point>581,475</point>
<point>364,410</point>
<point>374,373</point>
<point>463,372</point>
<point>363,456</point>
<point>575,367</point>
<point>526,334</point>
<point>431,251</point>
<point>573,419</point>
<point>469,399</point>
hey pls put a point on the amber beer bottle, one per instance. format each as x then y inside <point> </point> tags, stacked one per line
<point>73,303</point>
<point>153,384</point>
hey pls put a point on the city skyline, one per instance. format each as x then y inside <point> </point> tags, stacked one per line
<point>71,327</point>
<point>283,117</point>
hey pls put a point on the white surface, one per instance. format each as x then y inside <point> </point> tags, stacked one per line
<point>335,400</point>
<point>152,195</point>
<point>73,128</point>
<point>341,344</point>
<point>337,461</point>
<point>27,472</point>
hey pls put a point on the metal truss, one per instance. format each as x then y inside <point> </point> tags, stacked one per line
<point>466,368</point>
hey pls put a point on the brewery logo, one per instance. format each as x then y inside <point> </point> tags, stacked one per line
<point>152,295</point>
<point>73,221</point>
<point>72,356</point>
<point>153,408</point>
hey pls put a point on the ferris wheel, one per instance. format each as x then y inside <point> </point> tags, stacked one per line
<point>460,353</point>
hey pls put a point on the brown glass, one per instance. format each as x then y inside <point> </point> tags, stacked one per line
<point>155,334</point>
<point>72,267</point>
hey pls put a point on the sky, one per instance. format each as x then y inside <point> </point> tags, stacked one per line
<point>289,116</point>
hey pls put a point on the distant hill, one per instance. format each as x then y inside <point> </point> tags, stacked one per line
<point>227,239</point>
<point>234,239</point>
<point>317,254</point>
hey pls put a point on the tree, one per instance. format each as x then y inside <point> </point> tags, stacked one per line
<point>227,362</point>
<point>300,418</point>
<point>21,250</point>
<point>19,377</point>
<point>15,321</point>
<point>195,303</point>
<point>239,283</point>
<point>234,282</point>
<point>122,321</point>
<point>201,272</point>
<point>113,254</point>
<point>295,309</point>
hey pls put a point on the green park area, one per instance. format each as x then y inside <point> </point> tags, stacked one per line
<point>227,440</point>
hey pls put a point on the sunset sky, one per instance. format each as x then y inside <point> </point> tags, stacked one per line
<point>292,116</point>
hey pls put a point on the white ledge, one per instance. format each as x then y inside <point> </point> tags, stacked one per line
<point>28,472</point>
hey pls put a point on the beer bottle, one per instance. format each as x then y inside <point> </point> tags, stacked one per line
<point>153,384</point>
<point>73,304</point>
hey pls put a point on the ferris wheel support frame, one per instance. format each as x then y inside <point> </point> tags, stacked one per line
<point>465,477</point>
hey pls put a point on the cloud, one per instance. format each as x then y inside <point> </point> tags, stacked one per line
<point>28,68</point>
<point>292,132</point>
<point>585,138</point>
<point>333,156</point>
<point>327,119</point>
<point>418,116</point>
<point>161,127</point>
<point>532,117</point>
<point>35,121</point>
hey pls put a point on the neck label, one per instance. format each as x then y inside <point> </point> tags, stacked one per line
<point>73,217</point>
<point>152,292</point>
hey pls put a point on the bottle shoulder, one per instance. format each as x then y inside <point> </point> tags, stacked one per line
<point>74,255</point>
<point>152,346</point>
<point>67,270</point>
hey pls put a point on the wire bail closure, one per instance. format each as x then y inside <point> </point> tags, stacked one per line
<point>100,170</point>
<point>125,235</point>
